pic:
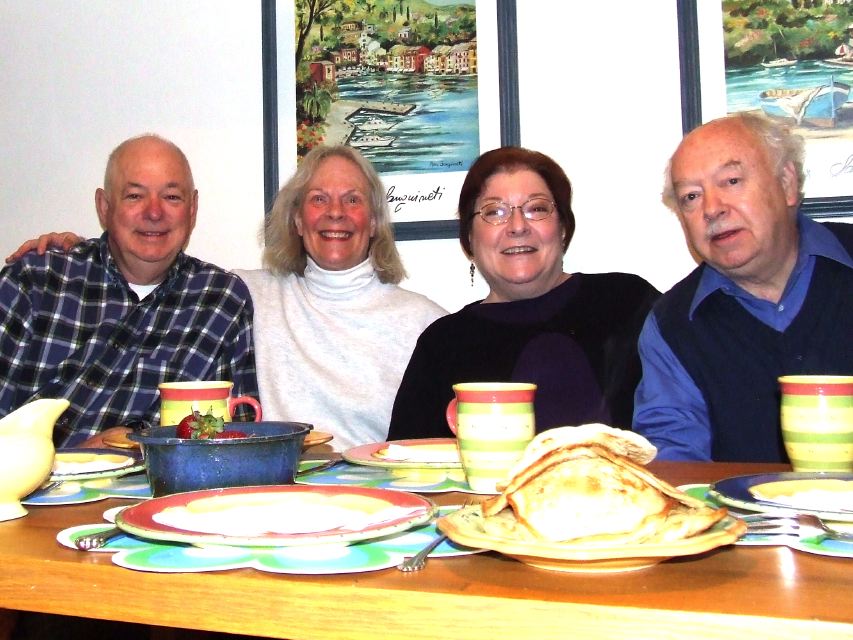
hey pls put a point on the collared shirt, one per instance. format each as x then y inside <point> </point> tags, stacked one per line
<point>73,328</point>
<point>669,408</point>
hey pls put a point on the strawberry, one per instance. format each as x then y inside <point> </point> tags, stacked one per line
<point>199,427</point>
<point>229,435</point>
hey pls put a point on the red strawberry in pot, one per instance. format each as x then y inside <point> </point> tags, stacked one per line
<point>200,427</point>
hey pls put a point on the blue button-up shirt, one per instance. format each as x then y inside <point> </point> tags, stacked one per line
<point>73,328</point>
<point>669,409</point>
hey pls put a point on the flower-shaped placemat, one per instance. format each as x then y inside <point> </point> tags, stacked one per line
<point>133,486</point>
<point>417,480</point>
<point>139,554</point>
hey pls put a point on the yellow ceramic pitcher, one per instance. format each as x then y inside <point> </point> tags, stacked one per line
<point>26,452</point>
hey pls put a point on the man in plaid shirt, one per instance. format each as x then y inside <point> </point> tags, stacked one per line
<point>105,323</point>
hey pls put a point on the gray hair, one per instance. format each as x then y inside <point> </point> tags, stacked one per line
<point>284,251</point>
<point>116,154</point>
<point>781,145</point>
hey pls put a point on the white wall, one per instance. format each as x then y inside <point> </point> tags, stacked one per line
<point>79,76</point>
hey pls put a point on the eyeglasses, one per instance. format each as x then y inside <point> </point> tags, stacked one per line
<point>500,212</point>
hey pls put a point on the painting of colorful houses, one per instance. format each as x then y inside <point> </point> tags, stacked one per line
<point>396,79</point>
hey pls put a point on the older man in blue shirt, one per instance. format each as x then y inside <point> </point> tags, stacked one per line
<point>772,296</point>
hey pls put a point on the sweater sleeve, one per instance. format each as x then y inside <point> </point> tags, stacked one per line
<point>421,402</point>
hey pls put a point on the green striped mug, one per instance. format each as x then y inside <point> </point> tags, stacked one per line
<point>493,423</point>
<point>817,422</point>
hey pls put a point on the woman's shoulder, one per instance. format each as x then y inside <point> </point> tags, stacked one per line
<point>405,299</point>
<point>617,283</point>
<point>259,280</point>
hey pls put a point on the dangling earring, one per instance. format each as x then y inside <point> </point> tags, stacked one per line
<point>472,269</point>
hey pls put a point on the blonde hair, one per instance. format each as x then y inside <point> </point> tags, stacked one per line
<point>284,251</point>
<point>781,145</point>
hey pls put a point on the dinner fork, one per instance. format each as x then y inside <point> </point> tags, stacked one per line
<point>418,561</point>
<point>796,524</point>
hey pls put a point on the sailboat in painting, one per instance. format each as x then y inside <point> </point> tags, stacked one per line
<point>813,105</point>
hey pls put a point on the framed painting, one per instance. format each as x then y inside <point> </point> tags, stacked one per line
<point>419,87</point>
<point>789,60</point>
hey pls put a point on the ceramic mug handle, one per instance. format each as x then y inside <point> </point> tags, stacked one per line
<point>256,406</point>
<point>450,414</point>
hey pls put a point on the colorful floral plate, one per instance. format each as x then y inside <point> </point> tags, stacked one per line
<point>284,515</point>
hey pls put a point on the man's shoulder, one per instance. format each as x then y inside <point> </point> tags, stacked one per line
<point>843,231</point>
<point>675,304</point>
<point>56,261</point>
<point>199,273</point>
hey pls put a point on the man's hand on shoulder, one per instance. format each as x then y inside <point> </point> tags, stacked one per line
<point>63,241</point>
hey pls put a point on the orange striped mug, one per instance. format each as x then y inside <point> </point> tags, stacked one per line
<point>180,399</point>
<point>493,422</point>
<point>817,422</point>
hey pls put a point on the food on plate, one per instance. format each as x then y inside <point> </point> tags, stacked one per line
<point>822,494</point>
<point>587,484</point>
<point>427,452</point>
<point>204,427</point>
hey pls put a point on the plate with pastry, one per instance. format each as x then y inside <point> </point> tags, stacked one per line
<point>435,453</point>
<point>581,500</point>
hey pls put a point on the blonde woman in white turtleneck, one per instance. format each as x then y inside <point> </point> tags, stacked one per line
<point>333,331</point>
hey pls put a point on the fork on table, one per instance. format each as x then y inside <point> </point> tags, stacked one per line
<point>418,561</point>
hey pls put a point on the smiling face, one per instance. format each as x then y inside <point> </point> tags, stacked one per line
<point>737,213</point>
<point>148,208</point>
<point>335,221</point>
<point>520,259</point>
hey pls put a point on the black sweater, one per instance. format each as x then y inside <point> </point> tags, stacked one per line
<point>578,343</point>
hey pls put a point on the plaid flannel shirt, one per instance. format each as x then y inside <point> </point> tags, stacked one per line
<point>72,328</point>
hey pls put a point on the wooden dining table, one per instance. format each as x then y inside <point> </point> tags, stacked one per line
<point>729,592</point>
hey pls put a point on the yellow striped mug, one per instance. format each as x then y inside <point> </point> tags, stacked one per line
<point>817,422</point>
<point>493,422</point>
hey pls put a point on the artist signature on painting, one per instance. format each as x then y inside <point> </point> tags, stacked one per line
<point>840,168</point>
<point>444,163</point>
<point>398,201</point>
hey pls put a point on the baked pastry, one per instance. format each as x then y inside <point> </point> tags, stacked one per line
<point>587,485</point>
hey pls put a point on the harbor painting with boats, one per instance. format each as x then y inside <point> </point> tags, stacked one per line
<point>792,60</point>
<point>397,79</point>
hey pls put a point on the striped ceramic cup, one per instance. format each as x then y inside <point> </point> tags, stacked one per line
<point>493,423</point>
<point>817,422</point>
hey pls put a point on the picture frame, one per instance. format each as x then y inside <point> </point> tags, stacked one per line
<point>279,107</point>
<point>692,101</point>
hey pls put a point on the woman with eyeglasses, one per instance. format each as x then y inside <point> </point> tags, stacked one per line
<point>573,335</point>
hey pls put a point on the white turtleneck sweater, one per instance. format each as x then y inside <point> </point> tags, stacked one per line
<point>331,347</point>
